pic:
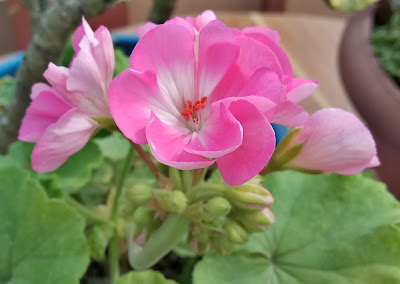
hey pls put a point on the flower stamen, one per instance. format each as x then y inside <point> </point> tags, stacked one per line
<point>191,111</point>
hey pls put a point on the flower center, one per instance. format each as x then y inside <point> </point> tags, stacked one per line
<point>191,112</point>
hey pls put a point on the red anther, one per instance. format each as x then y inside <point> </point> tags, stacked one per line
<point>197,107</point>
<point>191,109</point>
<point>187,113</point>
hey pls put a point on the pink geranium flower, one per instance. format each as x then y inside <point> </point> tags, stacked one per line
<point>198,95</point>
<point>59,117</point>
<point>335,141</point>
<point>287,112</point>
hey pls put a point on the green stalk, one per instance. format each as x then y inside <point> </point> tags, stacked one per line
<point>113,248</point>
<point>160,243</point>
<point>87,213</point>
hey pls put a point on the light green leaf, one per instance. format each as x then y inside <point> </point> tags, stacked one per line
<point>73,174</point>
<point>114,146</point>
<point>41,239</point>
<point>219,269</point>
<point>329,229</point>
<point>144,277</point>
<point>121,60</point>
<point>350,5</point>
<point>77,171</point>
<point>20,152</point>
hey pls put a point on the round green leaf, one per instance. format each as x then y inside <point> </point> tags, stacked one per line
<point>144,277</point>
<point>41,240</point>
<point>73,174</point>
<point>329,229</point>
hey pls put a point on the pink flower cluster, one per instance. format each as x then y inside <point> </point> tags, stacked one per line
<point>59,116</point>
<point>198,92</point>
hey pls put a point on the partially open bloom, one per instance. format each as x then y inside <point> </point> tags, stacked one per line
<point>59,118</point>
<point>335,141</point>
<point>199,92</point>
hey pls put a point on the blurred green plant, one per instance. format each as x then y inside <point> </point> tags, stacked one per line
<point>385,40</point>
<point>350,5</point>
<point>7,87</point>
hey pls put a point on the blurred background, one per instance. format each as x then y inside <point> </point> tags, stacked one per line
<point>15,27</point>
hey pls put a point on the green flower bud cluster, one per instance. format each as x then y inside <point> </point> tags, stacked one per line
<point>220,216</point>
<point>146,208</point>
<point>223,216</point>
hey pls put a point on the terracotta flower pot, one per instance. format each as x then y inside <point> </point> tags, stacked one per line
<point>375,95</point>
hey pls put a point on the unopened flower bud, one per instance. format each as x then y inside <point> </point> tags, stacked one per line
<point>251,195</point>
<point>235,232</point>
<point>143,216</point>
<point>219,206</point>
<point>139,194</point>
<point>173,201</point>
<point>257,221</point>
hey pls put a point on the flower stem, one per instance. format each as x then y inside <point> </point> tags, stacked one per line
<point>160,243</point>
<point>113,248</point>
<point>154,170</point>
<point>87,213</point>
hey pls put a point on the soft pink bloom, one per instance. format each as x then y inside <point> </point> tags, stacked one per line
<point>335,141</point>
<point>287,112</point>
<point>198,95</point>
<point>58,118</point>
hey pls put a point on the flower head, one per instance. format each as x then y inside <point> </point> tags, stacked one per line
<point>199,97</point>
<point>59,117</point>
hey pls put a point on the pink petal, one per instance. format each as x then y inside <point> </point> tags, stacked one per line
<point>83,30</point>
<point>280,54</point>
<point>336,141</point>
<point>256,149</point>
<point>103,53</point>
<point>57,77</point>
<point>220,135</point>
<point>77,37</point>
<point>133,95</point>
<point>169,51</point>
<point>62,139</point>
<point>264,83</point>
<point>261,103</point>
<point>217,53</point>
<point>167,144</point>
<point>143,29</point>
<point>289,114</point>
<point>299,89</point>
<point>37,88</point>
<point>45,109</point>
<point>86,84</point>
<point>253,56</point>
<point>202,20</point>
<point>270,33</point>
<point>88,31</point>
